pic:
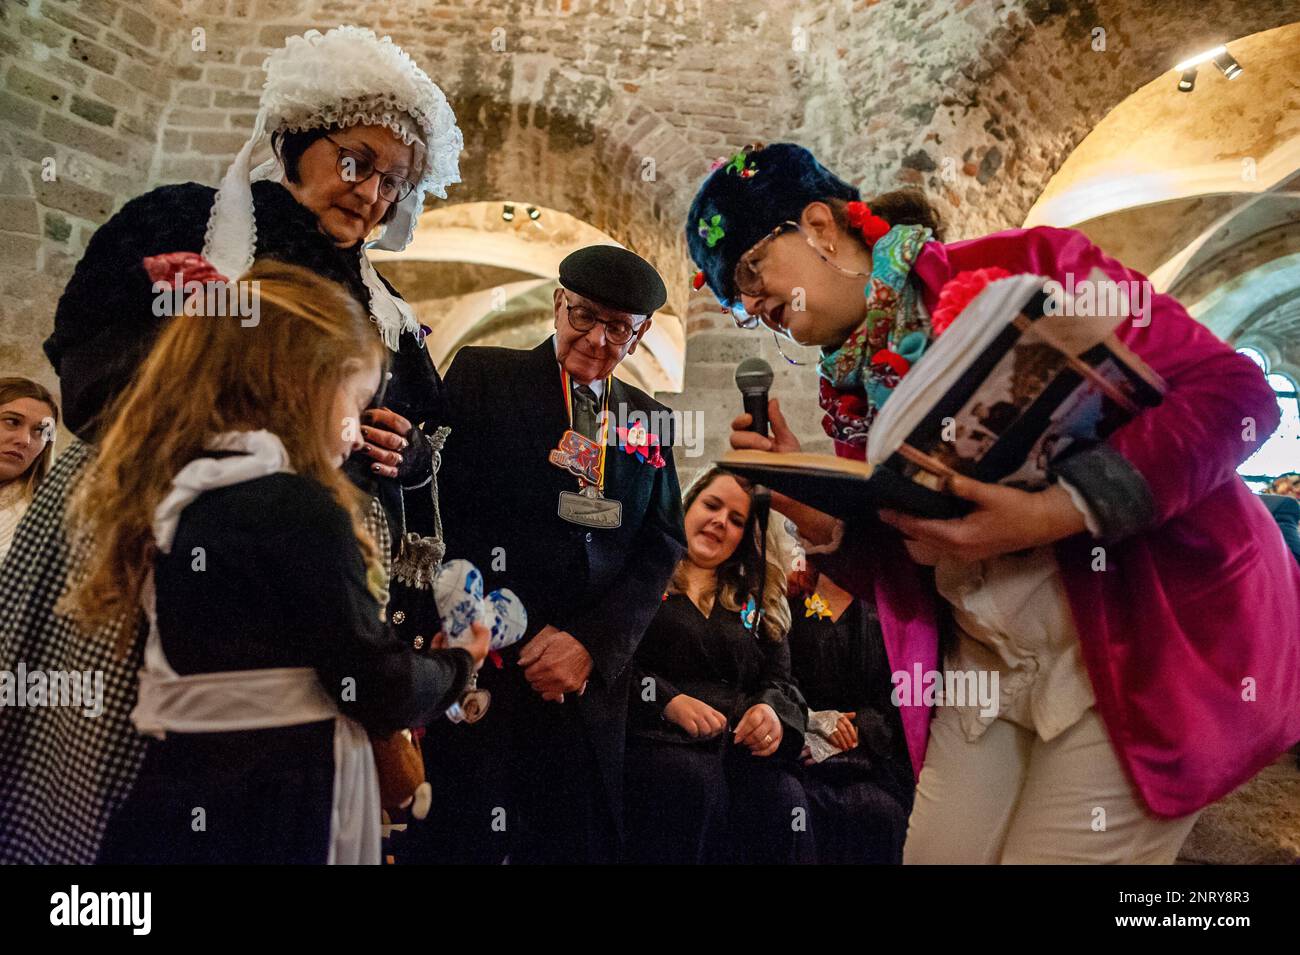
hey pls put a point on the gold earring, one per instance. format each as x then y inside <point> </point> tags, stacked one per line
<point>830,249</point>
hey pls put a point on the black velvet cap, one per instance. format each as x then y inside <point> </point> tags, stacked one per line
<point>777,183</point>
<point>615,278</point>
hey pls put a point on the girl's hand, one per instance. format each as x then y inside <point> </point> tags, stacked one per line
<point>760,730</point>
<point>694,716</point>
<point>1005,520</point>
<point>782,439</point>
<point>477,646</point>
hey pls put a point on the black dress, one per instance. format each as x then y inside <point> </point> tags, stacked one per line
<point>709,800</point>
<point>288,593</point>
<point>860,799</point>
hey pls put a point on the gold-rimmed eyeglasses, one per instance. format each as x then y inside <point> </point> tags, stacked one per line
<point>356,167</point>
<point>747,277</point>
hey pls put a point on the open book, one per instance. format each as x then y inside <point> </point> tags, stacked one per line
<point>1019,379</point>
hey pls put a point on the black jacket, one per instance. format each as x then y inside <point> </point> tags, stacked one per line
<point>286,593</point>
<point>842,665</point>
<point>1286,511</point>
<point>499,494</point>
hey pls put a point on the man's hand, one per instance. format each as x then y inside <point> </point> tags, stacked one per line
<point>782,439</point>
<point>1005,520</point>
<point>694,716</point>
<point>383,432</point>
<point>760,730</point>
<point>555,663</point>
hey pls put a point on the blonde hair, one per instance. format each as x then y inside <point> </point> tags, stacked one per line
<point>738,574</point>
<point>12,389</point>
<point>204,376</point>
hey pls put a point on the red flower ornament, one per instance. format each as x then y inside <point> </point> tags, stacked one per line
<point>178,269</point>
<point>958,292</point>
<point>860,216</point>
<point>893,359</point>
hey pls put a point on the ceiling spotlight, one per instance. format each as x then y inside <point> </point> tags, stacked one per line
<point>508,212</point>
<point>1228,65</point>
<point>534,213</point>
<point>1188,80</point>
<point>1201,58</point>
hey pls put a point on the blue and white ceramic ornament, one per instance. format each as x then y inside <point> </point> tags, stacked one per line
<point>458,592</point>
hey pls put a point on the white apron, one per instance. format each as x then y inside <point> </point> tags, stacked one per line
<point>255,699</point>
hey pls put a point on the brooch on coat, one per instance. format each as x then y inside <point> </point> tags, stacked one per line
<point>640,442</point>
<point>815,604</point>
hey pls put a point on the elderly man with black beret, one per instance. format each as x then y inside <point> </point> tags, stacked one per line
<point>558,482</point>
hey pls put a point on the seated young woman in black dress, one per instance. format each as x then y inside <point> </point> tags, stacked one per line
<point>219,507</point>
<point>856,774</point>
<point>715,725</point>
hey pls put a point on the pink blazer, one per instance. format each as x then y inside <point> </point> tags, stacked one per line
<point>1191,635</point>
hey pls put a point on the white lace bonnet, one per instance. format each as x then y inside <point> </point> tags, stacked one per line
<point>342,77</point>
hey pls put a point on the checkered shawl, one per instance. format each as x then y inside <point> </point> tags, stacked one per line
<point>62,775</point>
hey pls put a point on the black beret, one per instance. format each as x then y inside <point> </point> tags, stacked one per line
<point>739,204</point>
<point>615,278</point>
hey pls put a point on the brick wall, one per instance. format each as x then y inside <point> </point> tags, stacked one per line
<point>84,89</point>
<point>564,102</point>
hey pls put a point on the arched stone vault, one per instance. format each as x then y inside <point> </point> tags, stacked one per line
<point>984,119</point>
<point>564,101</point>
<point>576,144</point>
<point>1237,136</point>
<point>587,169</point>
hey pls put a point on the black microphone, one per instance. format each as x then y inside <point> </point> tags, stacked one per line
<point>754,378</point>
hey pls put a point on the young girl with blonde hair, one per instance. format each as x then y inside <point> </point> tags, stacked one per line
<point>218,504</point>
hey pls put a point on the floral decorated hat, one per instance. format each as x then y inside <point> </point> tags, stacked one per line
<point>744,199</point>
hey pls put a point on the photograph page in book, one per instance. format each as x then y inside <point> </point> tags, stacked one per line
<point>1023,380</point>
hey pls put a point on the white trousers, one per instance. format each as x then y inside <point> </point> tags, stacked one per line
<point>1009,797</point>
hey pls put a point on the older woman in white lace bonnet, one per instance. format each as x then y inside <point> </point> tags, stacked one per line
<point>354,161</point>
<point>359,134</point>
<point>366,94</point>
<point>350,177</point>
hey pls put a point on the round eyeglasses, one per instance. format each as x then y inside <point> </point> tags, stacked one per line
<point>618,331</point>
<point>356,167</point>
<point>747,277</point>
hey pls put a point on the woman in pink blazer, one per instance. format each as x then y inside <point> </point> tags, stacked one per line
<point>1144,685</point>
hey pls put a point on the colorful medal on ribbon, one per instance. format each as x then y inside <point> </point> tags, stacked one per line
<point>580,456</point>
<point>584,458</point>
